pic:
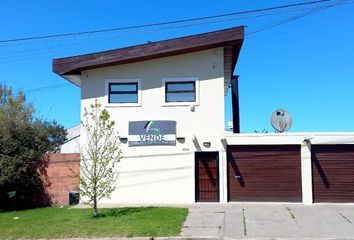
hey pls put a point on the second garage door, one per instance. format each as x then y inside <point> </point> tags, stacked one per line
<point>333,173</point>
<point>264,173</point>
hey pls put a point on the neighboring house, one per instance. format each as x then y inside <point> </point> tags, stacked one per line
<point>71,144</point>
<point>167,99</point>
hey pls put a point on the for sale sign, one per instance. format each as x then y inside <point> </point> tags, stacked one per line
<point>145,133</point>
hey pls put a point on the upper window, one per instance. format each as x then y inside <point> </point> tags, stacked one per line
<point>123,92</point>
<point>180,91</point>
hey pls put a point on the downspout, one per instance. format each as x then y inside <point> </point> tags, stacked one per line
<point>235,104</point>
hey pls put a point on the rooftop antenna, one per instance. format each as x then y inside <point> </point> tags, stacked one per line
<point>281,120</point>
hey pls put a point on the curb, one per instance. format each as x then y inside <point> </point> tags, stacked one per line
<point>138,238</point>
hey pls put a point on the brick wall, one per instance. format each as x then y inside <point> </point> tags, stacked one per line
<point>62,176</point>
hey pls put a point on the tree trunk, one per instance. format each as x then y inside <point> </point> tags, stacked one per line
<point>95,212</point>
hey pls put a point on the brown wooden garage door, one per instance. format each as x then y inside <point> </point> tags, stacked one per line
<point>333,173</point>
<point>264,173</point>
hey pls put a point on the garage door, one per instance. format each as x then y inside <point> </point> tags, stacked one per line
<point>264,173</point>
<point>333,173</point>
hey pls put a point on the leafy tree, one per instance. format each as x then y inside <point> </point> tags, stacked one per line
<point>25,141</point>
<point>99,156</point>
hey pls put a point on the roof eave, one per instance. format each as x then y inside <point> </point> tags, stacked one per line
<point>87,66</point>
<point>76,64</point>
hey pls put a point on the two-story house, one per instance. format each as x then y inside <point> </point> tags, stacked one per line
<point>167,99</point>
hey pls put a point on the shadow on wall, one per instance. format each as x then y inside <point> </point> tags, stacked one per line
<point>164,180</point>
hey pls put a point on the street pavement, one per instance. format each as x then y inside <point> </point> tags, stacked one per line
<point>269,221</point>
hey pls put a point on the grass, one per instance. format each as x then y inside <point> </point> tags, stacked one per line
<point>113,222</point>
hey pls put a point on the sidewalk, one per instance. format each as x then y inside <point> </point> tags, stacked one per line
<point>270,221</point>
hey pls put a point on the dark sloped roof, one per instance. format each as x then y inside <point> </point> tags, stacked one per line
<point>232,37</point>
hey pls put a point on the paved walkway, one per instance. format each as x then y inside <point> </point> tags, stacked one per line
<point>270,221</point>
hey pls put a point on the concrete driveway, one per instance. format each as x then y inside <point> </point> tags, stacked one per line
<point>265,221</point>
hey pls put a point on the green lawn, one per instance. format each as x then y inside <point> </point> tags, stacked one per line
<point>113,222</point>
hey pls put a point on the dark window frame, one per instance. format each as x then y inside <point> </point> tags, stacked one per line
<point>180,91</point>
<point>123,92</point>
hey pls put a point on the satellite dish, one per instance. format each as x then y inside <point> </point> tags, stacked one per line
<point>281,120</point>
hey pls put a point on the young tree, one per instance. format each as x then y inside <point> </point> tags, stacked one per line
<point>99,155</point>
<point>25,141</point>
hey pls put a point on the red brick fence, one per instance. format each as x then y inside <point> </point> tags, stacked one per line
<point>63,176</point>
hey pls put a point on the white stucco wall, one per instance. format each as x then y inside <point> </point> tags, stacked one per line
<point>163,174</point>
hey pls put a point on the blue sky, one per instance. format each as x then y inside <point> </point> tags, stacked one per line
<point>305,66</point>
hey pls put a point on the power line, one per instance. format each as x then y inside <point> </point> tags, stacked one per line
<point>74,45</point>
<point>21,57</point>
<point>35,85</point>
<point>293,18</point>
<point>263,28</point>
<point>46,88</point>
<point>162,23</point>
